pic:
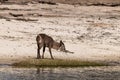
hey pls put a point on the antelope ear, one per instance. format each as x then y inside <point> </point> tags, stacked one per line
<point>61,42</point>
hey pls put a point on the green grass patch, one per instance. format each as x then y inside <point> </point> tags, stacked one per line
<point>56,63</point>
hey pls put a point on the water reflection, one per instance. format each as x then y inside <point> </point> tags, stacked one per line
<point>104,73</point>
<point>57,74</point>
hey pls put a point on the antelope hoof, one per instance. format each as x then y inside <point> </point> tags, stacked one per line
<point>38,58</point>
<point>52,58</point>
<point>42,57</point>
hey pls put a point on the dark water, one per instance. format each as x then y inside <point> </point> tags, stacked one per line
<point>90,73</point>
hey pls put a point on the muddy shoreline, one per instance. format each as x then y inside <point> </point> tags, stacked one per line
<point>112,3</point>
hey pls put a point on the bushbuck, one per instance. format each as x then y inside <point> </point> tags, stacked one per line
<point>44,41</point>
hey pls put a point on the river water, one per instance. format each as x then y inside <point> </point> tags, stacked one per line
<point>86,73</point>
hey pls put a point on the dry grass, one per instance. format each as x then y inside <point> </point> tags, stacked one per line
<point>56,63</point>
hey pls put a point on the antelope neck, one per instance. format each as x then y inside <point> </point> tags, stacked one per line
<point>56,45</point>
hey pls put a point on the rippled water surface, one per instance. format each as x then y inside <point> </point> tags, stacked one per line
<point>91,73</point>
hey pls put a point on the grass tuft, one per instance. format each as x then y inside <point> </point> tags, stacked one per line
<point>56,63</point>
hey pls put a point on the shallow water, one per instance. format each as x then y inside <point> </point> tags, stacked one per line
<point>89,73</point>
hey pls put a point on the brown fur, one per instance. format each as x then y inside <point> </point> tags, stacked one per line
<point>44,41</point>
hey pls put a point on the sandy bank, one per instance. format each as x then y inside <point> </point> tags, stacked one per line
<point>92,33</point>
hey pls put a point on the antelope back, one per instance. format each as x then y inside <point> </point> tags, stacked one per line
<point>44,39</point>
